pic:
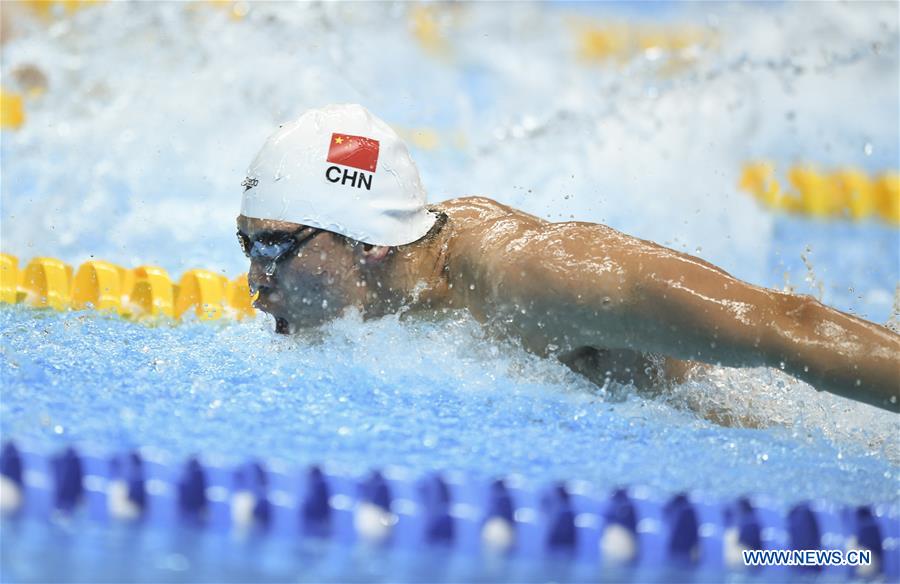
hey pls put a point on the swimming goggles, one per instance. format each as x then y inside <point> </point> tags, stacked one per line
<point>274,247</point>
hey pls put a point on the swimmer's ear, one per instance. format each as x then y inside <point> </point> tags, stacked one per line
<point>374,254</point>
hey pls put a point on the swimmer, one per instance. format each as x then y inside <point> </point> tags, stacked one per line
<point>334,216</point>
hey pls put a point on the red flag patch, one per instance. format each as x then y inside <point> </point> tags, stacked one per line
<point>356,151</point>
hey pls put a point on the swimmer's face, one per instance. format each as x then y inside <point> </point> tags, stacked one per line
<point>313,282</point>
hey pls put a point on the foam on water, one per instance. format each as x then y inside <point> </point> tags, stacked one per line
<point>425,395</point>
<point>142,164</point>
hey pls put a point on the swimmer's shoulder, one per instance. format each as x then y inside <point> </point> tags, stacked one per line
<point>479,210</point>
<point>479,214</point>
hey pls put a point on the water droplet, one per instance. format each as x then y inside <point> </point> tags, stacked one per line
<point>471,286</point>
<point>868,149</point>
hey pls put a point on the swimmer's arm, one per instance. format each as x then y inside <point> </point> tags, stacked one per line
<point>689,309</point>
<point>585,285</point>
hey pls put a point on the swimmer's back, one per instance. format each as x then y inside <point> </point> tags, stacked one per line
<point>484,226</point>
<point>579,283</point>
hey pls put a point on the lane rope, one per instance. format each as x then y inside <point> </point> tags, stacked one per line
<point>634,527</point>
<point>143,294</point>
<point>846,193</point>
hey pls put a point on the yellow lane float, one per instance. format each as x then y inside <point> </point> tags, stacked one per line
<point>9,278</point>
<point>887,196</point>
<point>152,294</point>
<point>98,285</point>
<point>143,293</point>
<point>50,8</point>
<point>673,47</point>
<point>46,283</point>
<point>845,193</point>
<point>204,291</point>
<point>12,112</point>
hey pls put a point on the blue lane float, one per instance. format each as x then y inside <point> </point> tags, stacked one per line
<point>627,527</point>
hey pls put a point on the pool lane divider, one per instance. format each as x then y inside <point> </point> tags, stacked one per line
<point>625,527</point>
<point>145,293</point>
<point>846,193</point>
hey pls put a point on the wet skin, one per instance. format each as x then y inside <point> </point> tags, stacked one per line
<point>606,304</point>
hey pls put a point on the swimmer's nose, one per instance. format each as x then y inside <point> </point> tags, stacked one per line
<point>257,278</point>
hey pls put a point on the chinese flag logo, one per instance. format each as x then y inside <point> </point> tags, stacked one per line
<point>356,151</point>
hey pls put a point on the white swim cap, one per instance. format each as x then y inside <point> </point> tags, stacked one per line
<point>341,169</point>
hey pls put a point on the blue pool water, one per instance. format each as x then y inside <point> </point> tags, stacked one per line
<point>94,555</point>
<point>141,165</point>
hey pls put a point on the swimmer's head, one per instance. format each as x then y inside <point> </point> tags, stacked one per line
<point>326,200</point>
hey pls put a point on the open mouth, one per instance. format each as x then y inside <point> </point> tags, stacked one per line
<point>266,298</point>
